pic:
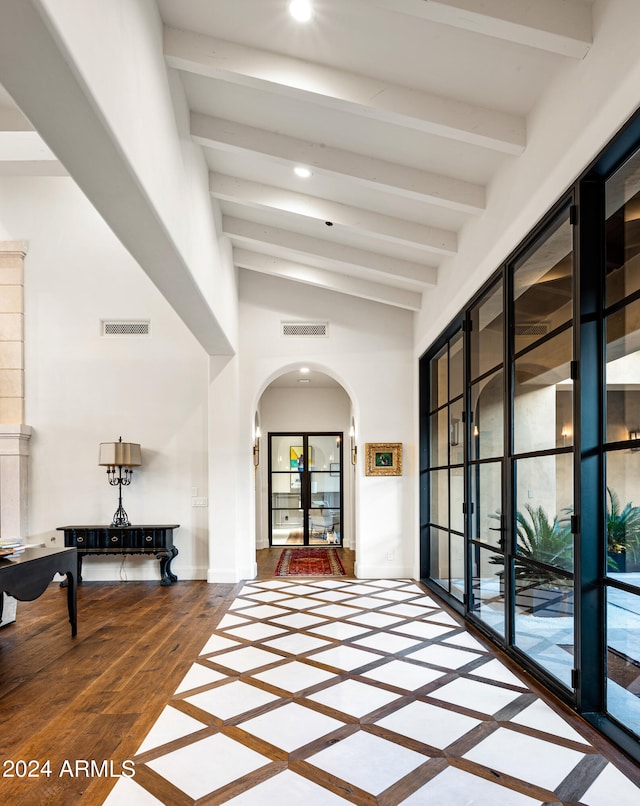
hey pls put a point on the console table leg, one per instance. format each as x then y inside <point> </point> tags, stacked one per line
<point>166,575</point>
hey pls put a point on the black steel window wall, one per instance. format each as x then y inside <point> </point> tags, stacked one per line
<point>530,450</point>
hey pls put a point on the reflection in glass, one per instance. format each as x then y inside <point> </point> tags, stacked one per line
<point>487,424</point>
<point>487,333</point>
<point>456,433</point>
<point>623,657</point>
<point>439,393</point>
<point>324,452</point>
<point>439,557</point>
<point>456,369</point>
<point>287,527</point>
<point>457,566</point>
<point>623,231</point>
<point>456,483</point>
<point>439,497</point>
<point>543,287</point>
<point>544,621</point>
<point>623,516</point>
<point>439,440</point>
<point>543,396</point>
<point>544,504</point>
<point>623,373</point>
<point>486,494</point>
<point>487,571</point>
<point>286,452</point>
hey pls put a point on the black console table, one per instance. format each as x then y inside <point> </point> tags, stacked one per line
<point>155,540</point>
<point>27,575</point>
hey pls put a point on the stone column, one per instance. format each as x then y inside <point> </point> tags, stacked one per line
<point>14,434</point>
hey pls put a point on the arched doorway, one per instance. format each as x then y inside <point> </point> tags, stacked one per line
<point>304,414</point>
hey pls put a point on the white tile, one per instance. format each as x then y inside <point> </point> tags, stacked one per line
<point>272,583</point>
<point>412,587</point>
<point>423,629</point>
<point>239,603</point>
<point>329,583</point>
<point>346,657</point>
<point>333,596</point>
<point>401,674</point>
<point>301,590</point>
<point>379,620</point>
<point>230,621</point>
<point>447,657</point>
<point>454,786</point>
<point>291,726</point>
<point>270,596</point>
<point>364,589</point>
<point>286,789</point>
<point>389,583</point>
<point>463,639</point>
<point>611,781</point>
<point>250,657</point>
<point>425,601</point>
<point>533,760</point>
<point>197,676</point>
<point>339,630</point>
<point>367,761</point>
<point>299,621</point>
<point>336,611</point>
<point>231,699</point>
<point>494,670</point>
<point>538,715</point>
<point>397,595</point>
<point>216,643</point>
<point>405,609</point>
<point>127,792</point>
<point>255,631</point>
<point>171,724</point>
<point>263,611</point>
<point>368,602</point>
<point>477,696</point>
<point>441,617</point>
<point>387,642</point>
<point>301,603</point>
<point>296,644</point>
<point>191,768</point>
<point>429,724</point>
<point>295,676</point>
<point>354,698</point>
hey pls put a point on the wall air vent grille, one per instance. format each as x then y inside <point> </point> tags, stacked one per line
<point>532,329</point>
<point>307,329</point>
<point>112,327</point>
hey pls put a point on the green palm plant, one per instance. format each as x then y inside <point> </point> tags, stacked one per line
<point>544,540</point>
<point>623,529</point>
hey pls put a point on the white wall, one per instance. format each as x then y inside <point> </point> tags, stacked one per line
<point>82,389</point>
<point>369,352</point>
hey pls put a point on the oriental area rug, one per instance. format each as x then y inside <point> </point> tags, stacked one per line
<point>309,563</point>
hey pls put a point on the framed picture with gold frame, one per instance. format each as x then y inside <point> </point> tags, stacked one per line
<point>383,459</point>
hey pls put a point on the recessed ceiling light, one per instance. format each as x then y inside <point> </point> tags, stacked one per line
<point>305,370</point>
<point>304,380</point>
<point>301,10</point>
<point>302,172</point>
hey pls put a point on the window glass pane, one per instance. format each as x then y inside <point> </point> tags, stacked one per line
<point>286,452</point>
<point>543,287</point>
<point>287,527</point>
<point>543,396</point>
<point>544,505</point>
<point>623,373</point>
<point>623,657</point>
<point>456,433</point>
<point>487,425</point>
<point>544,622</point>
<point>622,196</point>
<point>487,333</point>
<point>457,566</point>
<point>438,386</point>
<point>456,371</point>
<point>486,492</point>
<point>623,516</point>
<point>488,587</point>
<point>324,452</point>
<point>439,497</point>
<point>439,557</point>
<point>439,428</point>
<point>457,498</point>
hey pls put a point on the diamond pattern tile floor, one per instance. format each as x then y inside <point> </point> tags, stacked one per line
<point>338,691</point>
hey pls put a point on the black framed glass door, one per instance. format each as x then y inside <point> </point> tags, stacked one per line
<point>305,489</point>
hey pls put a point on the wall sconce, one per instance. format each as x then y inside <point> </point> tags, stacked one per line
<point>120,455</point>
<point>256,446</point>
<point>635,434</point>
<point>454,436</point>
<point>566,433</point>
<point>352,443</point>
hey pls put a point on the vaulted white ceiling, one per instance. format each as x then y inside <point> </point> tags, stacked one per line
<point>402,110</point>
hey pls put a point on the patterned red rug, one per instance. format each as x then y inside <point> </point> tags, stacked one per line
<point>309,562</point>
